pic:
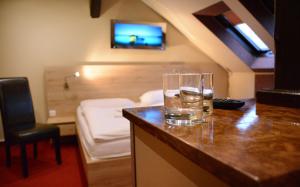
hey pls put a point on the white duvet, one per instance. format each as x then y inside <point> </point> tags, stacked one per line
<point>106,123</point>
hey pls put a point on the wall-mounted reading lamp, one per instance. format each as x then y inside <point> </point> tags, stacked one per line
<point>66,84</point>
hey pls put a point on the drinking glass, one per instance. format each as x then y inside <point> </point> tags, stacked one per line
<point>183,98</point>
<point>208,92</point>
<point>172,103</point>
<point>190,86</point>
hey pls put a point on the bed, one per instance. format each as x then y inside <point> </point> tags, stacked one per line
<point>105,151</point>
<point>104,138</point>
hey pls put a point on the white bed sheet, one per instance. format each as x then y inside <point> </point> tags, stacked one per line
<point>103,150</point>
<point>106,124</point>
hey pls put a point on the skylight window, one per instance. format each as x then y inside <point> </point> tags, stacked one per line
<point>250,35</point>
<point>243,33</point>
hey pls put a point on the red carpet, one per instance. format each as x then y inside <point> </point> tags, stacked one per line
<point>44,171</point>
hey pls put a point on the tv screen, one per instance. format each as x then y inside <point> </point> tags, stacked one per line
<point>138,35</point>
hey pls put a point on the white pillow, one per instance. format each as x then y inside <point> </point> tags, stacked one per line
<point>152,97</point>
<point>108,103</point>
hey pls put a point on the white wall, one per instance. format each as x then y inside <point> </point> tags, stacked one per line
<point>35,34</point>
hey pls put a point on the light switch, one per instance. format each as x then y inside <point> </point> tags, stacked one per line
<point>52,113</point>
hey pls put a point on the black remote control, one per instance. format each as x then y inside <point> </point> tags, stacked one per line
<point>229,104</point>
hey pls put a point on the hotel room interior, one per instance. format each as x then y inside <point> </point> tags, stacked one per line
<point>82,99</point>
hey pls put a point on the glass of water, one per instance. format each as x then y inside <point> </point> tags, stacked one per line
<point>183,98</point>
<point>208,92</point>
<point>191,96</point>
<point>172,103</point>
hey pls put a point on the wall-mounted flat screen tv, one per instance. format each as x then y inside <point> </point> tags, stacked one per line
<point>125,34</point>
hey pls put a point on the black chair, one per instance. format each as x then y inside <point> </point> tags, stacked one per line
<point>19,121</point>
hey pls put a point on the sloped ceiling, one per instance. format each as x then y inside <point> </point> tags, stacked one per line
<point>180,14</point>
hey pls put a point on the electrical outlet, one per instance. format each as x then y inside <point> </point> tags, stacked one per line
<point>52,113</point>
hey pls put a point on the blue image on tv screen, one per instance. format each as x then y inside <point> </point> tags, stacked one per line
<point>126,34</point>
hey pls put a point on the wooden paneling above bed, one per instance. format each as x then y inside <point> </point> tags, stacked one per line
<point>126,80</point>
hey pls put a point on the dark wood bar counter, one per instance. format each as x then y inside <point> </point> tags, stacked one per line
<point>258,145</point>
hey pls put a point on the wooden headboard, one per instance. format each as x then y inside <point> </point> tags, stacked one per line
<point>126,80</point>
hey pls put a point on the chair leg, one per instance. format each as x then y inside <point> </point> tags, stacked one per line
<point>24,160</point>
<point>56,141</point>
<point>8,155</point>
<point>35,153</point>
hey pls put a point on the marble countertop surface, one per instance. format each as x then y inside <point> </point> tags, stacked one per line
<point>257,145</point>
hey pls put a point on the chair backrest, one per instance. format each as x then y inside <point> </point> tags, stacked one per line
<point>16,104</point>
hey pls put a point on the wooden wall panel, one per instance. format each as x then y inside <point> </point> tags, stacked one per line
<point>105,81</point>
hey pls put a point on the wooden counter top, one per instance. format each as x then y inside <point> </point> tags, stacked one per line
<point>61,120</point>
<point>258,145</point>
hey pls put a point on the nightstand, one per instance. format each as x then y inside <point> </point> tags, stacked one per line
<point>66,124</point>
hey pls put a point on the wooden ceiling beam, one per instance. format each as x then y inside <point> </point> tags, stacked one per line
<point>95,7</point>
